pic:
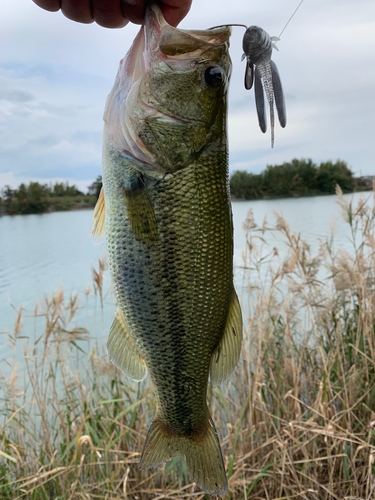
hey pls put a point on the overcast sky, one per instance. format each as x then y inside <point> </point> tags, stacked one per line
<point>55,75</point>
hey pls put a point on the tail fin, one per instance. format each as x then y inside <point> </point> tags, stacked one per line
<point>201,451</point>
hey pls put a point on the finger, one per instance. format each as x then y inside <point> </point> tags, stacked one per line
<point>108,13</point>
<point>50,5</point>
<point>175,10</point>
<point>133,10</point>
<point>77,10</point>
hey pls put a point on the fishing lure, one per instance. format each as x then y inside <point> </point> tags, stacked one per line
<point>262,71</point>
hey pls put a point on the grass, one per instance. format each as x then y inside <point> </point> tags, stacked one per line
<point>296,419</point>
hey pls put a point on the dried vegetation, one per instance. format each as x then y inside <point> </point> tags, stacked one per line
<point>296,420</point>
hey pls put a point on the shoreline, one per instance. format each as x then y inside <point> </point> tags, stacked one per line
<point>90,206</point>
<point>283,196</point>
<point>74,208</point>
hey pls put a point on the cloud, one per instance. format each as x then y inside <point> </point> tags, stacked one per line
<point>15,96</point>
<point>47,128</point>
<point>55,75</point>
<point>8,179</point>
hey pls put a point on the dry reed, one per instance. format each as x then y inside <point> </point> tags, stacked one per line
<point>297,419</point>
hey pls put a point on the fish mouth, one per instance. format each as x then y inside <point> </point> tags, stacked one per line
<point>176,42</point>
<point>157,43</point>
<point>159,40</point>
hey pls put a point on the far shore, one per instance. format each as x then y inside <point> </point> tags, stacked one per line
<point>90,206</point>
<point>299,178</point>
<point>309,195</point>
<point>71,207</point>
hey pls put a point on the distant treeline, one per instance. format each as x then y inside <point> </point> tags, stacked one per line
<point>296,178</point>
<point>37,198</point>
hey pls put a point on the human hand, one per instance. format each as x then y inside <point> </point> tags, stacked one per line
<point>114,13</point>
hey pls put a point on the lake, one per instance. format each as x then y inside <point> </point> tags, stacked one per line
<point>40,253</point>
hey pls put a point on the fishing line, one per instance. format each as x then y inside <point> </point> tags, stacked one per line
<point>244,26</point>
<point>299,5</point>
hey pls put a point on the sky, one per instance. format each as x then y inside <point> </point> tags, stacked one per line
<point>55,75</point>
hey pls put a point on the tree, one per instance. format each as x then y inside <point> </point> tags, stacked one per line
<point>96,186</point>
<point>330,174</point>
<point>37,199</point>
<point>245,185</point>
<point>8,195</point>
<point>63,189</point>
<point>294,178</point>
<point>290,178</point>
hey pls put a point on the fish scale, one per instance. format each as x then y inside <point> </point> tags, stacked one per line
<point>185,260</point>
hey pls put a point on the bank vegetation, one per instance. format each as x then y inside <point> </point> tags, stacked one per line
<point>297,178</point>
<point>35,198</point>
<point>294,178</point>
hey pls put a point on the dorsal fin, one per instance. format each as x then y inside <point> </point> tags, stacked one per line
<point>98,221</point>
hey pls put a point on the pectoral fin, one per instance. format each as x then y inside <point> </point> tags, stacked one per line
<point>259,101</point>
<point>279,94</point>
<point>140,210</point>
<point>227,353</point>
<point>98,221</point>
<point>123,351</point>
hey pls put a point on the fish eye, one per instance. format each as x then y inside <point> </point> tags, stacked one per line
<point>213,76</point>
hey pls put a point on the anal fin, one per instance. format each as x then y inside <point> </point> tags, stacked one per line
<point>123,352</point>
<point>98,221</point>
<point>227,353</point>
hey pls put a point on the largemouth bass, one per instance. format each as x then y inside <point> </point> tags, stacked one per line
<point>166,211</point>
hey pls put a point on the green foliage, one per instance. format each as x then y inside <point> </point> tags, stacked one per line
<point>38,198</point>
<point>63,189</point>
<point>31,199</point>
<point>330,174</point>
<point>247,186</point>
<point>6,200</point>
<point>294,178</point>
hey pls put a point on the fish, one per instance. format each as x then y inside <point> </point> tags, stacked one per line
<point>165,214</point>
<point>263,72</point>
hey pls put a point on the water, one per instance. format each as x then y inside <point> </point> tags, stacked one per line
<point>316,218</point>
<point>40,253</point>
